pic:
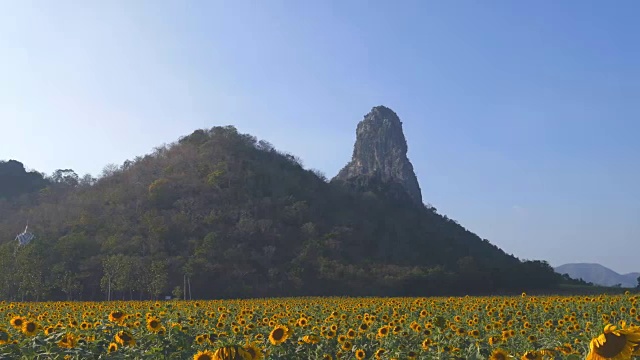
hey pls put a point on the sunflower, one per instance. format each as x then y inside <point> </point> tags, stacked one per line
<point>499,354</point>
<point>17,322</point>
<point>532,338</point>
<point>4,337</point>
<point>125,339</point>
<point>532,355</point>
<point>112,347</point>
<point>29,328</point>
<point>232,352</point>
<point>494,340</point>
<point>201,339</point>
<point>116,316</point>
<point>614,343</point>
<point>426,344</point>
<point>311,339</point>
<point>68,341</point>
<point>279,335</point>
<point>347,346</point>
<point>360,354</point>
<point>203,355</point>
<point>254,351</point>
<point>378,354</point>
<point>383,331</point>
<point>565,349</point>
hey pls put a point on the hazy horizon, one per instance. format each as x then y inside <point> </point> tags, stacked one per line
<point>520,118</point>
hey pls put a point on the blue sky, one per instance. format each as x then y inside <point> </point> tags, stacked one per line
<point>521,117</point>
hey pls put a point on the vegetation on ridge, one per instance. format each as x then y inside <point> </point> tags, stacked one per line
<point>236,218</point>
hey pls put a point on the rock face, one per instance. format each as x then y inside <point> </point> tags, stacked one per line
<point>381,151</point>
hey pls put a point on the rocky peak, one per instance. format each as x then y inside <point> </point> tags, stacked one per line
<point>381,150</point>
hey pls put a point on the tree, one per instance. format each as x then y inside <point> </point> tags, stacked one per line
<point>177,292</point>
<point>116,269</point>
<point>65,177</point>
<point>157,277</point>
<point>67,282</point>
<point>15,180</point>
<point>7,269</point>
<point>87,180</point>
<point>29,273</point>
<point>638,286</point>
<point>109,170</point>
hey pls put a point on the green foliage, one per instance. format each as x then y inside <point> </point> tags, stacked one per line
<point>237,218</point>
<point>161,193</point>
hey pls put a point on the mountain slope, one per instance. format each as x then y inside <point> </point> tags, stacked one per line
<point>598,274</point>
<point>237,218</point>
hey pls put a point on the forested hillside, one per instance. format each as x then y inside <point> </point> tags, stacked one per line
<point>237,218</point>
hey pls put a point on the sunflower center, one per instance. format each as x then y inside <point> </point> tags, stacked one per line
<point>278,333</point>
<point>153,323</point>
<point>613,345</point>
<point>31,327</point>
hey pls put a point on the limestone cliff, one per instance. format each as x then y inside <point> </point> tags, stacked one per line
<point>381,151</point>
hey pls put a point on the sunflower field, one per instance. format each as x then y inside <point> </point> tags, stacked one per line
<point>522,327</point>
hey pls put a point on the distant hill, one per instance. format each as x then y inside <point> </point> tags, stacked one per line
<point>598,274</point>
<point>233,217</point>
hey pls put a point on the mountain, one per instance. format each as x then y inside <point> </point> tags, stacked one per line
<point>233,217</point>
<point>381,151</point>
<point>598,274</point>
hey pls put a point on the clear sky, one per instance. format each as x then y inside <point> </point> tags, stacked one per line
<point>522,117</point>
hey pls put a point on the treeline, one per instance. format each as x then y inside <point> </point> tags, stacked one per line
<point>230,216</point>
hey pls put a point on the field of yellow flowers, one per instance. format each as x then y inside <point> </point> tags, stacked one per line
<point>523,327</point>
